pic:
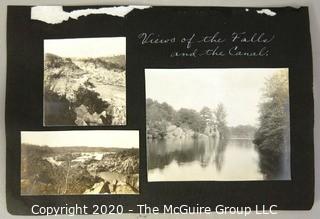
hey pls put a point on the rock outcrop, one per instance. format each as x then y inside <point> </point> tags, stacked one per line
<point>178,132</point>
<point>92,89</point>
<point>52,171</point>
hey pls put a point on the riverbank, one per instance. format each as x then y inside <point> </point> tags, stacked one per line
<point>61,171</point>
<point>171,131</point>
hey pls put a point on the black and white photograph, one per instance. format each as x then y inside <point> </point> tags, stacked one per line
<point>79,162</point>
<point>85,82</point>
<point>229,124</point>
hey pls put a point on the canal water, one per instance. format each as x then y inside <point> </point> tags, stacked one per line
<point>204,159</point>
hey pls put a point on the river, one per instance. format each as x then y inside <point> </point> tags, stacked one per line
<point>204,159</point>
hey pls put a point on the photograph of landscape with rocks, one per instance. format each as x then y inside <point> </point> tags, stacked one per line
<point>85,82</point>
<point>218,124</point>
<point>79,162</point>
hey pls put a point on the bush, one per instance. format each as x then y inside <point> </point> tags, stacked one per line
<point>90,99</point>
<point>57,109</point>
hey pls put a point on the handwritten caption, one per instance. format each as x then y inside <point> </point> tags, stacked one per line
<point>250,44</point>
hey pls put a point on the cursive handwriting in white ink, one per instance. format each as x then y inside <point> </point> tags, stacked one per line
<point>152,38</point>
<point>216,44</point>
<point>244,37</point>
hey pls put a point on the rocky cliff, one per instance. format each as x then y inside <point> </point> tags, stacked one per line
<point>91,91</point>
<point>46,171</point>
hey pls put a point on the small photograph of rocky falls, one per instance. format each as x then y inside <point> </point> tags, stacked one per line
<point>218,124</point>
<point>84,82</point>
<point>79,162</point>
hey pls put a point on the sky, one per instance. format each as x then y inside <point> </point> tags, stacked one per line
<point>89,138</point>
<point>239,89</point>
<point>86,47</point>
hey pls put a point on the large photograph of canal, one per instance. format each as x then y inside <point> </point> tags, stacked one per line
<point>228,124</point>
<point>79,162</point>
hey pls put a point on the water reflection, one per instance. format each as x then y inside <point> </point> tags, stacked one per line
<point>202,159</point>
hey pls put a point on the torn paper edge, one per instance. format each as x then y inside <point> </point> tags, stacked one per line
<point>56,14</point>
<point>266,11</point>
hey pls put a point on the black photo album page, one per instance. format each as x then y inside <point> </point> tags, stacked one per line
<point>149,109</point>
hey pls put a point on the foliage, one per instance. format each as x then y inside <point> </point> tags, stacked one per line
<point>90,99</point>
<point>110,63</point>
<point>159,111</point>
<point>161,115</point>
<point>157,129</point>
<point>39,172</point>
<point>270,138</point>
<point>57,109</point>
<point>206,114</point>
<point>89,84</point>
<point>41,177</point>
<point>221,117</point>
<point>242,131</point>
<point>71,82</point>
<point>53,61</point>
<point>188,118</point>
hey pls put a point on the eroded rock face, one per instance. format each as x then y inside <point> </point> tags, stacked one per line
<point>79,180</point>
<point>124,189</point>
<point>125,162</point>
<point>115,187</point>
<point>45,172</point>
<point>177,132</point>
<point>82,87</point>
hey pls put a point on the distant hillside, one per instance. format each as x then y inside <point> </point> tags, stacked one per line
<point>242,131</point>
<point>120,60</point>
<point>86,149</point>
<point>110,63</point>
<point>35,150</point>
<point>51,150</point>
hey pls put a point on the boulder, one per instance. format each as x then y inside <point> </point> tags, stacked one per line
<point>189,133</point>
<point>171,128</point>
<point>84,117</point>
<point>99,188</point>
<point>175,132</point>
